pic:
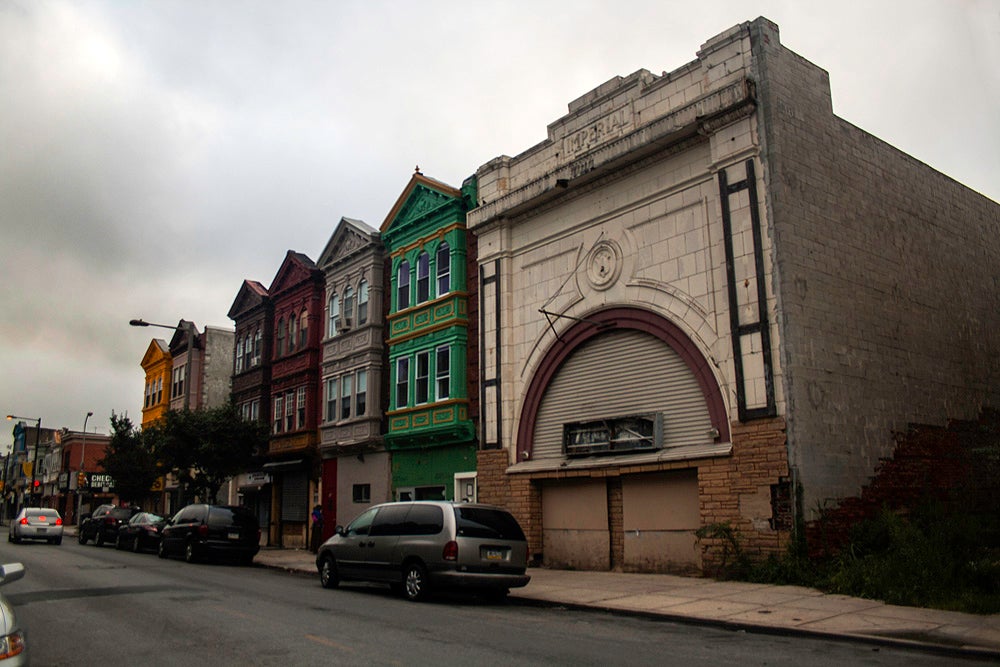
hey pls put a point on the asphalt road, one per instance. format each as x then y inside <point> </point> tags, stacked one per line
<point>84,605</point>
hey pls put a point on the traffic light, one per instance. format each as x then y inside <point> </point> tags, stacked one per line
<point>37,484</point>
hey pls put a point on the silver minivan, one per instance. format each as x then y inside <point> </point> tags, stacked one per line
<point>420,546</point>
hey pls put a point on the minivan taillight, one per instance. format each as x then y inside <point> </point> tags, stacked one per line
<point>58,522</point>
<point>203,530</point>
<point>450,551</point>
<point>24,521</point>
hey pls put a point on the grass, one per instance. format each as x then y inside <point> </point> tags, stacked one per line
<point>931,558</point>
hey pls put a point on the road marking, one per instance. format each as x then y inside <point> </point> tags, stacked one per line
<point>329,642</point>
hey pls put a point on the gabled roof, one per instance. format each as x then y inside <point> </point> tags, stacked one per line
<point>348,237</point>
<point>155,353</point>
<point>421,195</point>
<point>179,339</point>
<point>251,295</point>
<point>297,268</point>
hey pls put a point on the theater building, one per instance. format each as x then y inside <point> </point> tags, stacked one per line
<point>703,292</point>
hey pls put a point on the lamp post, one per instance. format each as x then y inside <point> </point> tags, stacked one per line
<point>83,468</point>
<point>38,443</point>
<point>189,341</point>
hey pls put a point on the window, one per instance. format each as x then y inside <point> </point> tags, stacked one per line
<point>177,389</point>
<point>345,396</point>
<point>362,302</point>
<point>289,410</point>
<point>304,329</point>
<point>348,301</point>
<point>443,261</point>
<point>422,378</point>
<point>402,383</point>
<point>331,399</point>
<point>256,346</point>
<point>403,285</point>
<point>278,413</point>
<point>361,395</point>
<point>255,410</point>
<point>301,414</point>
<point>239,355</point>
<point>281,338</point>
<point>247,352</point>
<point>362,524</point>
<point>159,389</point>
<point>292,320</point>
<point>145,402</point>
<point>362,493</point>
<point>423,277</point>
<point>334,309</point>
<point>442,372</point>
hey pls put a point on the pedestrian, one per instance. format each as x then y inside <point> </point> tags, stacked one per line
<point>316,537</point>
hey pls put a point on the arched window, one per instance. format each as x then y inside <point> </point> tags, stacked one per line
<point>304,328</point>
<point>239,358</point>
<point>247,351</point>
<point>256,347</point>
<point>280,347</point>
<point>348,302</point>
<point>362,302</point>
<point>403,285</point>
<point>334,309</point>
<point>292,321</point>
<point>423,277</point>
<point>443,260</point>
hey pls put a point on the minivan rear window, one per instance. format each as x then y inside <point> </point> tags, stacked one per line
<point>487,523</point>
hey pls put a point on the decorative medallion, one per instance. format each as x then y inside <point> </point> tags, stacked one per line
<point>604,264</point>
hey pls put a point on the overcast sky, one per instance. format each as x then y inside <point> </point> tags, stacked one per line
<point>155,154</point>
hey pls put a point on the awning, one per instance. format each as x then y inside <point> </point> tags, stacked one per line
<point>682,453</point>
<point>283,465</point>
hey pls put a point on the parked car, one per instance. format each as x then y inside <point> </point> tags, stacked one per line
<point>102,525</point>
<point>13,648</point>
<point>420,546</point>
<point>141,532</point>
<point>36,523</point>
<point>204,531</point>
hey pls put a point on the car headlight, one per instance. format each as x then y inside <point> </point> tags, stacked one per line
<point>11,645</point>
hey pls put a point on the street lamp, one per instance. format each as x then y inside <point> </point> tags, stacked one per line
<point>83,469</point>
<point>189,341</point>
<point>38,442</point>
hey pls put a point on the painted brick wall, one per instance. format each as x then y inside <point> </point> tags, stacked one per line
<point>888,291</point>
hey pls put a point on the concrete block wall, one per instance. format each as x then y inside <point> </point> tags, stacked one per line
<point>886,276</point>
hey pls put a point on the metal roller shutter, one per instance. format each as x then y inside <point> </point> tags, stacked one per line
<point>619,374</point>
<point>294,496</point>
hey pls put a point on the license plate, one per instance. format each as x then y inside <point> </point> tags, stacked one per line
<point>41,530</point>
<point>495,554</point>
<point>234,536</point>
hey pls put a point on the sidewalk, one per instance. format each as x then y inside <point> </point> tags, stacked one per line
<point>737,605</point>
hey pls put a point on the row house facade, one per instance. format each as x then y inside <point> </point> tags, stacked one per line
<point>296,296</point>
<point>431,342</point>
<point>355,466</point>
<point>705,295</point>
<point>192,371</point>
<point>253,315</point>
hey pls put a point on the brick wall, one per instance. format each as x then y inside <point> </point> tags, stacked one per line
<point>888,295</point>
<point>737,491</point>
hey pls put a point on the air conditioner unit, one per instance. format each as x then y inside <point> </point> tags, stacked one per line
<point>345,323</point>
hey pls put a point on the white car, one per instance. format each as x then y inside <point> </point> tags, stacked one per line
<point>36,523</point>
<point>13,649</point>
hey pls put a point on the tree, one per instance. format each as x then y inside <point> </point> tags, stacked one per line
<point>130,460</point>
<point>204,448</point>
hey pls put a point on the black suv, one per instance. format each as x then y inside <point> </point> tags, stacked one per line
<point>102,525</point>
<point>200,531</point>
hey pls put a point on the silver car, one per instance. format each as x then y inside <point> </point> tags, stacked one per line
<point>36,523</point>
<point>420,546</point>
<point>13,649</point>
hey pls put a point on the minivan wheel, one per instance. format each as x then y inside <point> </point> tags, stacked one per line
<point>99,538</point>
<point>190,554</point>
<point>417,587</point>
<point>328,572</point>
<point>161,550</point>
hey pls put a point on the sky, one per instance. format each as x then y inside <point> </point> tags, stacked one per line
<point>154,154</point>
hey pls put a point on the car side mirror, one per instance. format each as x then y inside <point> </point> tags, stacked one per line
<point>339,530</point>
